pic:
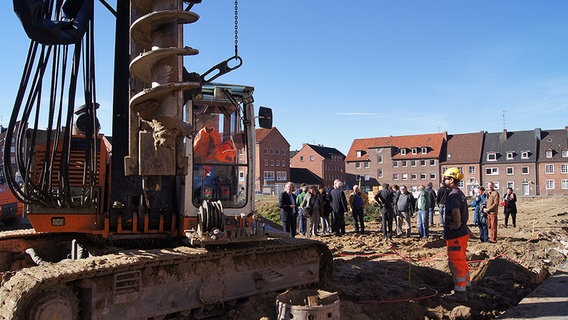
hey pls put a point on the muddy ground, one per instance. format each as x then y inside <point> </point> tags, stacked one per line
<point>404,278</point>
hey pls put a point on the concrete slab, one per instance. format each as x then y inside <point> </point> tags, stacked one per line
<point>549,301</point>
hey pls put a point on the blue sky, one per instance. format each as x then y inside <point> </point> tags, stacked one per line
<point>333,71</point>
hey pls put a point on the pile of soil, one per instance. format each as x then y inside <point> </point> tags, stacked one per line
<point>404,278</point>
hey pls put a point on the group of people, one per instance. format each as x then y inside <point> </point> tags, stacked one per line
<point>314,211</point>
<point>486,208</point>
<point>398,205</point>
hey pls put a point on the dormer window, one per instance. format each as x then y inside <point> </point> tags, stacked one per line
<point>403,152</point>
<point>492,156</point>
<point>414,150</point>
<point>564,153</point>
<point>525,154</point>
<point>360,153</point>
<point>510,155</point>
<point>424,150</point>
<point>549,153</point>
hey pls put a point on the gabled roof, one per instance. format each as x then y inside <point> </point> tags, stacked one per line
<point>555,141</point>
<point>464,148</point>
<point>303,175</point>
<point>323,151</point>
<point>262,133</point>
<point>516,142</point>
<point>434,142</point>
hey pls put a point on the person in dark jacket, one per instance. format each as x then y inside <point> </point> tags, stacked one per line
<point>385,199</point>
<point>339,207</point>
<point>433,198</point>
<point>441,201</point>
<point>510,207</point>
<point>288,212</point>
<point>324,211</point>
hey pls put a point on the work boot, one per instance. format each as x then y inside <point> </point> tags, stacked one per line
<point>455,296</point>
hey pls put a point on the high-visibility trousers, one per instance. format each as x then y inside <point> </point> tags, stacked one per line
<point>458,263</point>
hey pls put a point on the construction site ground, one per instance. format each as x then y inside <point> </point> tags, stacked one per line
<point>405,278</point>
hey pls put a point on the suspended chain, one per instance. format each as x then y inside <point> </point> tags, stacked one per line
<point>236,28</point>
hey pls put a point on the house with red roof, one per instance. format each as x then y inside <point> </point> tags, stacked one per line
<point>464,151</point>
<point>325,162</point>
<point>272,169</point>
<point>411,160</point>
<point>552,168</point>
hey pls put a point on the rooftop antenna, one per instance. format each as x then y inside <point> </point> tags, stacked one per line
<point>503,118</point>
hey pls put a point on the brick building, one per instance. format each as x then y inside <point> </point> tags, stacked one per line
<point>411,160</point>
<point>273,161</point>
<point>327,163</point>
<point>464,151</point>
<point>553,162</point>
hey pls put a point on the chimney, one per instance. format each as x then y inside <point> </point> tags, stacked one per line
<point>504,136</point>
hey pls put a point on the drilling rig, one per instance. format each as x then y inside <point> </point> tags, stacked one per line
<point>158,220</point>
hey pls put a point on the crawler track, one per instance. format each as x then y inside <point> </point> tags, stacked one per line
<point>141,284</point>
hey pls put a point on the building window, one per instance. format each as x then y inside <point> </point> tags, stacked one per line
<point>432,176</point>
<point>524,154</point>
<point>405,176</point>
<point>564,183</point>
<point>283,152</point>
<point>268,175</point>
<point>492,156</point>
<point>266,163</point>
<point>413,176</point>
<point>357,165</point>
<point>525,170</point>
<point>491,171</point>
<point>241,176</point>
<point>272,163</point>
<point>395,176</point>
<point>301,158</point>
<point>511,184</point>
<point>548,154</point>
<point>510,171</point>
<point>422,163</point>
<point>271,151</point>
<point>549,184</point>
<point>359,153</point>
<point>548,168</point>
<point>471,170</point>
<point>404,163</point>
<point>403,151</point>
<point>281,176</point>
<point>379,173</point>
<point>414,150</point>
<point>564,168</point>
<point>510,155</point>
<point>424,150</point>
<point>277,152</point>
<point>564,153</point>
<point>379,158</point>
<point>278,163</point>
<point>413,163</point>
<point>265,150</point>
<point>422,176</point>
<point>311,158</point>
<point>395,164</point>
<point>366,164</point>
<point>432,162</point>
